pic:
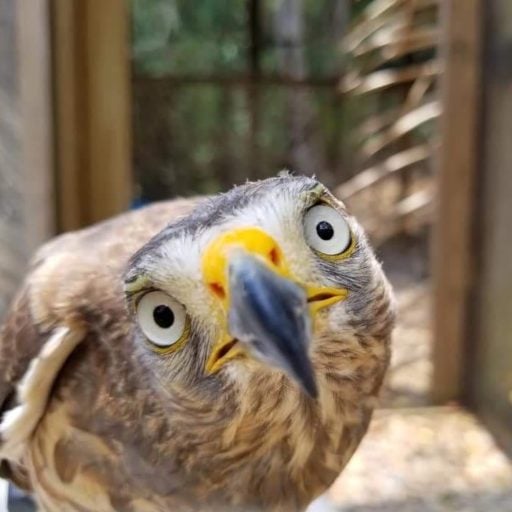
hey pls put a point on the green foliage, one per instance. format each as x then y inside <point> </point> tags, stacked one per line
<point>180,36</point>
<point>205,137</point>
<point>184,36</point>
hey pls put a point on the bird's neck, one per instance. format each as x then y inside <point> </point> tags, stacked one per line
<point>300,443</point>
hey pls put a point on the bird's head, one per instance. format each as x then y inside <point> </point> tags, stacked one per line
<point>254,280</point>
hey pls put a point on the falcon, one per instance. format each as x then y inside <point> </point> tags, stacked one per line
<point>220,354</point>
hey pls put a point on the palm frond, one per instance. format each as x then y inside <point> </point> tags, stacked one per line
<point>384,14</point>
<point>391,165</point>
<point>404,125</point>
<point>393,69</point>
<point>363,84</point>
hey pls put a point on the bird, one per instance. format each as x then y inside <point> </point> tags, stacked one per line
<point>220,353</point>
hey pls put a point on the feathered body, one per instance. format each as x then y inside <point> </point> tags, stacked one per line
<point>93,422</point>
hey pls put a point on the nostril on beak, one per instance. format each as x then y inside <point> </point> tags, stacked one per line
<point>274,257</point>
<point>218,290</point>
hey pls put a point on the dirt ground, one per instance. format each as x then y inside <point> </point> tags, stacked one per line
<point>417,458</point>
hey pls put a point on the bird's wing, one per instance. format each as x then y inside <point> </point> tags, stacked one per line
<point>67,279</point>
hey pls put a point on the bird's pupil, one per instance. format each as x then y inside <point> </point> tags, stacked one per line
<point>163,316</point>
<point>324,230</point>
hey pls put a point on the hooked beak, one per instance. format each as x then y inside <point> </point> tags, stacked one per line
<point>268,314</point>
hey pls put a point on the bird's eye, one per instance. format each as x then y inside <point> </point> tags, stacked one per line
<point>326,230</point>
<point>162,319</point>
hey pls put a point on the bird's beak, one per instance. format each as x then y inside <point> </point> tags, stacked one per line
<point>267,312</point>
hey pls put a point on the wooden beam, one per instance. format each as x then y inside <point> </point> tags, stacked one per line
<point>489,382</point>
<point>70,147</point>
<point>37,159</point>
<point>453,264</point>
<point>93,105</point>
<point>237,80</point>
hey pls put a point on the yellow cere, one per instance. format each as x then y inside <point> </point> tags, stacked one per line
<point>254,241</point>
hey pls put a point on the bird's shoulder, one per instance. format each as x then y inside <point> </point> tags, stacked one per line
<point>70,280</point>
<point>83,268</point>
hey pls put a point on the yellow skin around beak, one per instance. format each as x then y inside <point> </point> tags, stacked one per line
<point>215,264</point>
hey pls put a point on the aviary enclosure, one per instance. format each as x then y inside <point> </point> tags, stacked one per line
<point>402,106</point>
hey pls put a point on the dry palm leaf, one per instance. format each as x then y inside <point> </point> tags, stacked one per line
<point>376,54</point>
<point>404,125</point>
<point>414,203</point>
<point>398,39</point>
<point>357,85</point>
<point>383,120</point>
<point>381,16</point>
<point>392,48</point>
<point>391,165</point>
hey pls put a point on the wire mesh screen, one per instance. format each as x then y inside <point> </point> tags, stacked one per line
<point>226,91</point>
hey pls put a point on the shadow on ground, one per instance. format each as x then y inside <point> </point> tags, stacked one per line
<point>450,502</point>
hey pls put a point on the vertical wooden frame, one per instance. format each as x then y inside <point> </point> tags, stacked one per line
<point>453,251</point>
<point>489,390</point>
<point>36,108</point>
<point>93,103</point>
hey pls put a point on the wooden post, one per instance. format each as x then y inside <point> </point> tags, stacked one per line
<point>93,104</point>
<point>37,159</point>
<point>490,376</point>
<point>453,253</point>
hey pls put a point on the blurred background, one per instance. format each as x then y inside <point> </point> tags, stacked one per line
<point>402,107</point>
